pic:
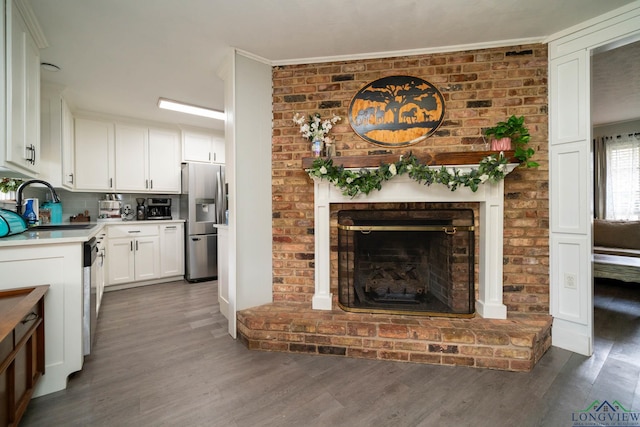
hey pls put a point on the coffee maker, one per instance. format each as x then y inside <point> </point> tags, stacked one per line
<point>158,208</point>
<point>141,211</point>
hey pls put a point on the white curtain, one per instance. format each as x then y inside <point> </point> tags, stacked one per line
<point>622,177</point>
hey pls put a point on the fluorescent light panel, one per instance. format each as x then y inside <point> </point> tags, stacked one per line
<point>168,104</point>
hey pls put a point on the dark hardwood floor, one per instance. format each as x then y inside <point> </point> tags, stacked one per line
<point>163,358</point>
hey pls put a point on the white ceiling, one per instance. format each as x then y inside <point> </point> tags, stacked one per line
<point>120,56</point>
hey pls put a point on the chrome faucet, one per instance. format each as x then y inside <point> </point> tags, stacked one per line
<point>54,195</point>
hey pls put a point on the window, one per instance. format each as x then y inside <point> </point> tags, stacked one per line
<point>623,177</point>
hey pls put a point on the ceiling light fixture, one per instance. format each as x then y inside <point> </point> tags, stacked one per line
<point>47,66</point>
<point>168,104</point>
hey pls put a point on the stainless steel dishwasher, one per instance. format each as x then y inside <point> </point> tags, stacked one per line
<point>91,252</point>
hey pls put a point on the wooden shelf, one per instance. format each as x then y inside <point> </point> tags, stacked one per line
<point>436,159</point>
<point>21,349</point>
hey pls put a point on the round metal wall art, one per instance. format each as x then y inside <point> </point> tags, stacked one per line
<point>396,111</point>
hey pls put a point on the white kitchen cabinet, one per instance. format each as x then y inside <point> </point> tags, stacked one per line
<point>22,83</point>
<point>94,155</point>
<point>133,253</point>
<point>131,162</point>
<point>171,250</point>
<point>59,266</point>
<point>147,160</point>
<point>68,150</point>
<point>204,147</point>
<point>56,138</point>
<point>164,161</point>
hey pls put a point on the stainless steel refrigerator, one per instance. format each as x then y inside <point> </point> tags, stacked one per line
<point>202,206</point>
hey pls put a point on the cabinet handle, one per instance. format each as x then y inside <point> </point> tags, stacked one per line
<point>136,245</point>
<point>110,182</point>
<point>209,156</point>
<point>151,184</point>
<point>29,317</point>
<point>70,178</point>
<point>133,231</point>
<point>30,155</point>
<point>131,243</point>
<point>170,227</point>
<point>146,183</point>
<point>214,157</point>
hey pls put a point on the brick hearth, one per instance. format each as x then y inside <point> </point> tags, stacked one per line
<point>514,344</point>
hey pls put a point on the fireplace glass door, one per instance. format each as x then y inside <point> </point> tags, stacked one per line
<point>407,261</point>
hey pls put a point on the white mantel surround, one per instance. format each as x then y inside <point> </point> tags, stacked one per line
<point>402,189</point>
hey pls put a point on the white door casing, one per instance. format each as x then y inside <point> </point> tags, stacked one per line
<point>570,172</point>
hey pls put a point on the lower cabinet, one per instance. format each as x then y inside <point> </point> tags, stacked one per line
<point>133,253</point>
<point>171,250</point>
<point>144,252</point>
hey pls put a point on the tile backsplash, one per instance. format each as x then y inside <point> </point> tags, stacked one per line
<point>74,203</point>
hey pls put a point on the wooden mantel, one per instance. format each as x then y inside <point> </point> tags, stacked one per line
<point>436,159</point>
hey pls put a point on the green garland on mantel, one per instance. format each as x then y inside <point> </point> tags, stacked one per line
<point>353,182</point>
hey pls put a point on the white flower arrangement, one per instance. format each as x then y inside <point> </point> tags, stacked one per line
<point>314,127</point>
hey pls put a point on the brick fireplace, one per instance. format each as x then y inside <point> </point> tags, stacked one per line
<point>511,327</point>
<point>490,339</point>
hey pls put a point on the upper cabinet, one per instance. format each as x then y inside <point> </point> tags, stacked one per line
<point>131,158</point>
<point>22,84</point>
<point>147,159</point>
<point>164,161</point>
<point>94,148</point>
<point>200,146</point>
<point>56,138</point>
<point>125,157</point>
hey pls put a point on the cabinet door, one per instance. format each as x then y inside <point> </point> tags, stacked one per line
<point>68,166</point>
<point>147,256</point>
<point>171,250</point>
<point>94,154</point>
<point>164,161</point>
<point>120,261</point>
<point>23,93</point>
<point>131,158</point>
<point>218,149</point>
<point>197,147</point>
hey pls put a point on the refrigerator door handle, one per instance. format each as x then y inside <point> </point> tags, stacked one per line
<point>196,239</point>
<point>219,201</point>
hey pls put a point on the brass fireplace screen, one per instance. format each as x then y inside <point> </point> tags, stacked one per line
<point>418,262</point>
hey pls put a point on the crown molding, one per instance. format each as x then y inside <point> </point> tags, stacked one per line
<point>409,52</point>
<point>616,14</point>
<point>32,23</point>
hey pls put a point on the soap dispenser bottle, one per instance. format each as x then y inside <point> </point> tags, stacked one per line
<point>30,215</point>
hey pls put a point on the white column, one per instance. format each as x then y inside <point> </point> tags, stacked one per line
<point>489,303</point>
<point>322,233</point>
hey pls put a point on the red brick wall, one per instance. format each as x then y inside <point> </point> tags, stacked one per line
<point>480,87</point>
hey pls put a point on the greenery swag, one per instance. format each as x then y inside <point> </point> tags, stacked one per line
<point>354,182</point>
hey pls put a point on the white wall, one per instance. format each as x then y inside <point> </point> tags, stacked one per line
<point>248,130</point>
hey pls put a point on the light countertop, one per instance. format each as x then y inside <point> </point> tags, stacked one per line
<point>44,237</point>
<point>48,237</point>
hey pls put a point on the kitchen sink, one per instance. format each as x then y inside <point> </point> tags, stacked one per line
<point>53,227</point>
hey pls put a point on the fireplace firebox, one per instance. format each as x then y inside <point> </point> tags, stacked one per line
<point>417,262</point>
